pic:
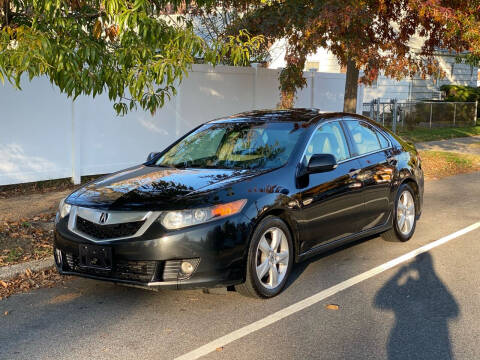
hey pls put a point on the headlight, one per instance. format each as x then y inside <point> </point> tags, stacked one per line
<point>63,209</point>
<point>183,218</point>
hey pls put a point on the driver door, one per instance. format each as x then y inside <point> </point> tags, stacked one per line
<point>331,201</point>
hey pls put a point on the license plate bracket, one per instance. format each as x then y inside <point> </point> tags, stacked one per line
<point>94,256</point>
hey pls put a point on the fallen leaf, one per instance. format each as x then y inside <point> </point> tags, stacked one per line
<point>28,272</point>
<point>332,307</point>
<point>64,298</point>
<point>219,348</point>
<point>5,313</point>
<point>3,283</point>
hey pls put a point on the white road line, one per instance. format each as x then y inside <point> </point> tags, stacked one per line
<point>292,309</point>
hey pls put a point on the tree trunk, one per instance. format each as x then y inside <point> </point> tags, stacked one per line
<point>351,86</point>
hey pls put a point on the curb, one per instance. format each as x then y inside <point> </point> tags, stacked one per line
<point>9,272</point>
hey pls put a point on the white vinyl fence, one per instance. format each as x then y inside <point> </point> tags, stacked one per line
<point>44,135</point>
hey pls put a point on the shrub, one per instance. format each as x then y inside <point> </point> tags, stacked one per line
<point>462,93</point>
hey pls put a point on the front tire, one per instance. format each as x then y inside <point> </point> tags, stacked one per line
<point>404,216</point>
<point>270,259</point>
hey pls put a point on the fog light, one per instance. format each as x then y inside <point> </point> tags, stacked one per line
<point>58,257</point>
<point>179,269</point>
<point>187,268</point>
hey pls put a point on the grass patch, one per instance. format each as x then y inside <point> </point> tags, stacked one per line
<point>438,164</point>
<point>14,255</point>
<point>425,134</point>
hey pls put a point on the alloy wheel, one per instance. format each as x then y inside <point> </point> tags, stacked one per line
<point>272,257</point>
<point>405,213</point>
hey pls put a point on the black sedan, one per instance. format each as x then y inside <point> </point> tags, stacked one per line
<point>238,200</point>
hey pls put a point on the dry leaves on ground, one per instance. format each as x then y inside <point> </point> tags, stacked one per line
<point>438,164</point>
<point>27,239</point>
<point>31,280</point>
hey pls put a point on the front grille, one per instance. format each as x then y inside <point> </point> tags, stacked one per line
<point>140,271</point>
<point>112,231</point>
<point>136,270</point>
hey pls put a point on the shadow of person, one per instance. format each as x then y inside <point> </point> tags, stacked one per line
<point>423,306</point>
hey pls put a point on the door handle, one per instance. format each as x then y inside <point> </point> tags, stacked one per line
<point>356,183</point>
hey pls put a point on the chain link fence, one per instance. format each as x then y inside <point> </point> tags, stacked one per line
<point>429,114</point>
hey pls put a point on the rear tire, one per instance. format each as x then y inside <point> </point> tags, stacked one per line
<point>270,259</point>
<point>404,216</point>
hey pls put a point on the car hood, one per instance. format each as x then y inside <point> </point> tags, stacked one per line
<point>155,188</point>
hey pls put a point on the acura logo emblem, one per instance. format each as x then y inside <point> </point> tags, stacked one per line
<point>103,218</point>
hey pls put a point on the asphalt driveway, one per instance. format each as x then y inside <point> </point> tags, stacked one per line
<point>427,307</point>
<point>465,145</point>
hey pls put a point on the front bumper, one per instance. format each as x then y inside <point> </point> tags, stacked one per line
<point>220,248</point>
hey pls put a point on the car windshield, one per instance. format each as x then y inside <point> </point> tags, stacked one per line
<point>240,145</point>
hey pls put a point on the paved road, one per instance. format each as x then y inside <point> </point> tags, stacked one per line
<point>466,145</point>
<point>425,308</point>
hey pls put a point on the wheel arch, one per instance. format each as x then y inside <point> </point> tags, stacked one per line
<point>416,192</point>
<point>284,215</point>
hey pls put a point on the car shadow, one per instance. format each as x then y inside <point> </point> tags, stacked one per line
<point>422,306</point>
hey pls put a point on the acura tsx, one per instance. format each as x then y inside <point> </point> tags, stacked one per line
<point>238,201</point>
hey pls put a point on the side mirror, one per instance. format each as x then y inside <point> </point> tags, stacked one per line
<point>151,156</point>
<point>321,162</point>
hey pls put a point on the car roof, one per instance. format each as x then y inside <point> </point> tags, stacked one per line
<point>305,115</point>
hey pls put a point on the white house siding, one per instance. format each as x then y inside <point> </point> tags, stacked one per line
<point>386,88</point>
<point>455,74</point>
<point>321,61</point>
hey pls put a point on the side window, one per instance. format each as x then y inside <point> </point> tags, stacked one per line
<point>328,139</point>
<point>364,136</point>
<point>383,140</point>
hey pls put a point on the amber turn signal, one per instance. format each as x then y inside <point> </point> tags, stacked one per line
<point>229,208</point>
